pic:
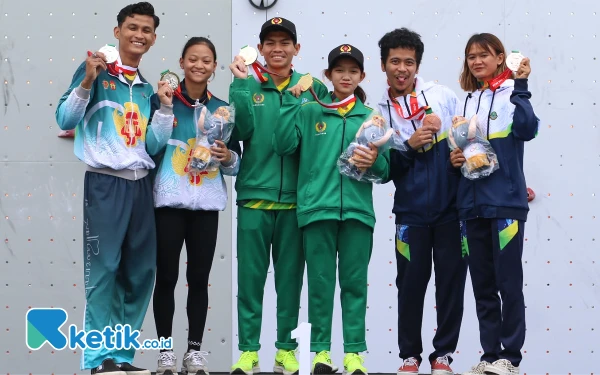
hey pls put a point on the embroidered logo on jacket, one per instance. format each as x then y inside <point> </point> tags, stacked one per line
<point>320,127</point>
<point>493,115</point>
<point>131,125</point>
<point>258,99</point>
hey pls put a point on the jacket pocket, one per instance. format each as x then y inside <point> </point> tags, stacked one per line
<point>505,166</point>
<point>308,192</point>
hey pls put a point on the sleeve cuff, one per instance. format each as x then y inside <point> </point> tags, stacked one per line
<point>82,93</point>
<point>379,166</point>
<point>410,152</point>
<point>166,110</point>
<point>232,162</point>
<point>521,84</point>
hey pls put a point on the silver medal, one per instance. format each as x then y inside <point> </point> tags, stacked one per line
<point>249,54</point>
<point>513,61</point>
<point>110,52</point>
<point>171,78</point>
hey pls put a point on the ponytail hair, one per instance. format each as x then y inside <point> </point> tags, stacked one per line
<point>360,93</point>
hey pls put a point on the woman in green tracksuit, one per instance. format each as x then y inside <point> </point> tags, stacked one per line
<point>335,212</point>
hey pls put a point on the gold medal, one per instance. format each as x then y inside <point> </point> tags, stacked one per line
<point>110,52</point>
<point>249,54</point>
<point>171,78</point>
<point>305,82</point>
<point>513,60</point>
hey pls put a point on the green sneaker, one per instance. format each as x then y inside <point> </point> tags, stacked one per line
<point>247,364</point>
<point>322,364</point>
<point>353,364</point>
<point>286,362</point>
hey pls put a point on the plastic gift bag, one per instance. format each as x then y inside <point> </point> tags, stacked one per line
<point>377,131</point>
<point>481,160</point>
<point>210,128</point>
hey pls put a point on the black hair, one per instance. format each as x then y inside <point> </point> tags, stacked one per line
<point>401,38</point>
<point>199,40</point>
<point>143,9</point>
<point>358,91</point>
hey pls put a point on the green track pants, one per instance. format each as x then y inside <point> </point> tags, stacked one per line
<point>324,241</point>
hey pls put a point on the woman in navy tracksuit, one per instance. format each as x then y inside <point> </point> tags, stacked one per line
<point>494,209</point>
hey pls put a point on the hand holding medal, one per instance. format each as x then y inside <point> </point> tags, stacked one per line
<point>97,61</point>
<point>249,56</point>
<point>165,93</point>
<point>169,82</point>
<point>519,64</point>
<point>171,78</point>
<point>239,67</point>
<point>304,83</point>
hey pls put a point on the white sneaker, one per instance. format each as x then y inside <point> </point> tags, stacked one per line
<point>167,364</point>
<point>502,367</point>
<point>194,363</point>
<point>478,369</point>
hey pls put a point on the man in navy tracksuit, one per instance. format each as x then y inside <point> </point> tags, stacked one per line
<point>427,223</point>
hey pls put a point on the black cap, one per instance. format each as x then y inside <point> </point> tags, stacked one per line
<point>346,50</point>
<point>278,24</point>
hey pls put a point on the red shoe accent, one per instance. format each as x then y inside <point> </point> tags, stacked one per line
<point>409,367</point>
<point>440,368</point>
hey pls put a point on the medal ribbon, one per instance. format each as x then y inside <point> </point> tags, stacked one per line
<point>416,112</point>
<point>497,81</point>
<point>180,96</point>
<point>117,68</point>
<point>257,70</point>
<point>340,104</point>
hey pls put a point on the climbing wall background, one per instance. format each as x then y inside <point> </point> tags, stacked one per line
<point>561,256</point>
<point>41,181</point>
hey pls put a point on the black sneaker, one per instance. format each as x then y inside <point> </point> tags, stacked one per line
<point>132,370</point>
<point>108,367</point>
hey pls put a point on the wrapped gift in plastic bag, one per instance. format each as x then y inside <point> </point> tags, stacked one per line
<point>377,131</point>
<point>210,128</point>
<point>481,160</point>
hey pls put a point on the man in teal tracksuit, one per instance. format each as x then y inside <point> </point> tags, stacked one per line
<point>108,105</point>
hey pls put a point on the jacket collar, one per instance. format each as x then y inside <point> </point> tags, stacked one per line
<point>271,85</point>
<point>182,94</point>
<point>421,86</point>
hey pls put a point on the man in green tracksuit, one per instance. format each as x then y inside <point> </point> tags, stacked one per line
<point>266,200</point>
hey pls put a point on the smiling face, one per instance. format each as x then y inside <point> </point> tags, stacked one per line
<point>483,63</point>
<point>278,49</point>
<point>345,76</point>
<point>198,63</point>
<point>136,35</point>
<point>401,69</point>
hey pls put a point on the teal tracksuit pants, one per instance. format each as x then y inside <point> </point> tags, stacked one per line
<point>119,252</point>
